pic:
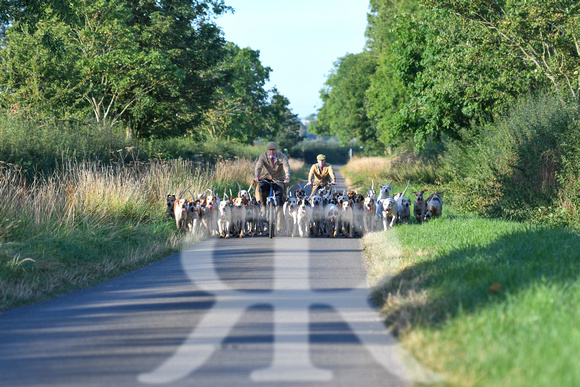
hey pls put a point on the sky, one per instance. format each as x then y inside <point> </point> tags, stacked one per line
<point>299,39</point>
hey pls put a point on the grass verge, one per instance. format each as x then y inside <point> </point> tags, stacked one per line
<point>482,302</point>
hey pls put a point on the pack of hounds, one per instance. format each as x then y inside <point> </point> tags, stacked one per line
<point>346,213</point>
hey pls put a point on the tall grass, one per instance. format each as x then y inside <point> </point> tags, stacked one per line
<point>86,222</point>
<point>400,168</point>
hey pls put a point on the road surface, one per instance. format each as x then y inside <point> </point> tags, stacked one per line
<point>251,311</point>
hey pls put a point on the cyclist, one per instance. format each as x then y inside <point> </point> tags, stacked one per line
<point>277,168</point>
<point>322,173</point>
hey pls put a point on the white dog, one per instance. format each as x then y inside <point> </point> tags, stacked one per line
<point>239,215</point>
<point>332,216</point>
<point>193,215</point>
<point>389,213</point>
<point>346,218</point>
<point>289,210</point>
<point>404,205</point>
<point>224,218</point>
<point>385,191</point>
<point>369,214</point>
<point>358,213</point>
<point>253,216</point>
<point>304,217</point>
<point>180,211</point>
<point>317,202</point>
<point>210,213</point>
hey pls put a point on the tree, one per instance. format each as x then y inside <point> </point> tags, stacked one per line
<point>153,65</point>
<point>543,34</point>
<point>240,112</point>
<point>343,113</point>
<point>440,73</point>
<point>283,125</point>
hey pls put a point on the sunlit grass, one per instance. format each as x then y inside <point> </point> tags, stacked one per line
<point>482,302</point>
<point>362,172</point>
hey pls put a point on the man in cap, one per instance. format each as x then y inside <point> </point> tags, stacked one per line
<point>276,167</point>
<point>322,173</point>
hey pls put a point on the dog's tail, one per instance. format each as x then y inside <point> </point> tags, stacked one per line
<point>405,191</point>
<point>181,193</point>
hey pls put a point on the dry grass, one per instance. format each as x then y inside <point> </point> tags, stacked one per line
<point>361,172</point>
<point>89,222</point>
<point>296,164</point>
<point>385,258</point>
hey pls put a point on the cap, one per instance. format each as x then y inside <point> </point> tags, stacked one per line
<point>272,145</point>
<point>321,157</point>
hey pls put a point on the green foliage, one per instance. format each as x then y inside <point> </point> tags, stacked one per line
<point>343,113</point>
<point>450,65</point>
<point>37,148</point>
<point>42,147</point>
<point>239,110</point>
<point>524,166</point>
<point>149,65</point>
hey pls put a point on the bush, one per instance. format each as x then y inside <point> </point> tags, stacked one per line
<point>524,166</point>
<point>41,148</point>
<point>34,146</point>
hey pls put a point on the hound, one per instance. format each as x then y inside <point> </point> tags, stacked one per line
<point>289,210</point>
<point>244,194</point>
<point>304,217</point>
<point>419,205</point>
<point>404,209</point>
<point>317,204</point>
<point>170,211</point>
<point>253,220</point>
<point>331,215</point>
<point>358,209</point>
<point>193,215</point>
<point>403,205</point>
<point>299,194</point>
<point>210,214</point>
<point>434,206</point>
<point>369,214</point>
<point>224,218</point>
<point>385,191</point>
<point>180,210</point>
<point>239,222</point>
<point>389,213</point>
<point>371,192</point>
<point>346,218</point>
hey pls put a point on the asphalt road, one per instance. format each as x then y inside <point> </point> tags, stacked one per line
<point>251,311</point>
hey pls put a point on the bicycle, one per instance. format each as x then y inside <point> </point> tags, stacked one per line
<point>271,204</point>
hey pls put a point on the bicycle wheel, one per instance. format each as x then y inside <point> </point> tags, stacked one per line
<point>271,219</point>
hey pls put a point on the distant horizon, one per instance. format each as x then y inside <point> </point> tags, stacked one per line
<point>304,38</point>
